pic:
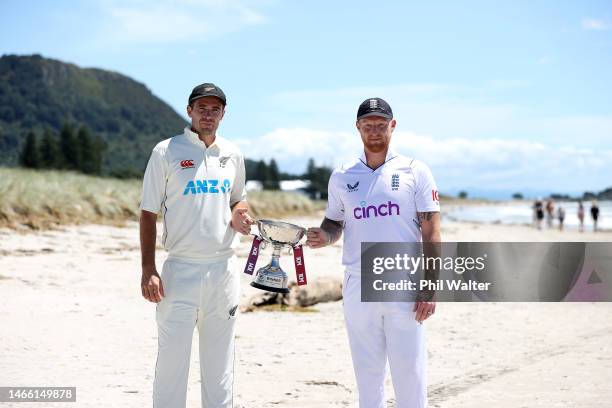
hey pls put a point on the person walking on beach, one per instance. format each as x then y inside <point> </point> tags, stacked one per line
<point>538,209</point>
<point>404,198</point>
<point>594,214</point>
<point>581,215</point>
<point>561,217</point>
<point>550,212</point>
<point>197,181</point>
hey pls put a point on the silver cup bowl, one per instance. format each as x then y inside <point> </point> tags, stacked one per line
<point>279,232</point>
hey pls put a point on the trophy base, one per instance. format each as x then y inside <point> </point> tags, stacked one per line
<point>269,288</point>
<point>271,277</point>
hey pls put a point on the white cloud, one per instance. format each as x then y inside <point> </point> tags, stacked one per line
<point>168,21</point>
<point>438,109</point>
<point>469,138</point>
<point>456,162</point>
<point>443,111</point>
<point>595,24</point>
<point>291,148</point>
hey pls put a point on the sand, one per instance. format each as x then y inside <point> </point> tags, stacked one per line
<point>71,314</point>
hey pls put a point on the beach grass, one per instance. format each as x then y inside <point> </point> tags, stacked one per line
<point>40,199</point>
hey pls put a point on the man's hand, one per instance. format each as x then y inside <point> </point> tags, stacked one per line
<point>424,310</point>
<point>152,286</point>
<point>317,238</point>
<point>329,233</point>
<point>241,221</point>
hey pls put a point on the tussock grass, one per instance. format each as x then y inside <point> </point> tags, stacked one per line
<point>40,199</point>
<point>277,204</point>
<point>43,199</point>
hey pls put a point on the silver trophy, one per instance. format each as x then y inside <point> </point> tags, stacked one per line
<point>279,234</point>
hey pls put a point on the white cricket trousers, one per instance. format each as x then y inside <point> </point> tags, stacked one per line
<point>381,331</point>
<point>202,294</point>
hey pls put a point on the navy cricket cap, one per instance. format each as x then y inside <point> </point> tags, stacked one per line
<point>374,107</point>
<point>207,89</point>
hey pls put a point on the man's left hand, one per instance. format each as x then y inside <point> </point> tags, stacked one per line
<point>241,221</point>
<point>424,310</point>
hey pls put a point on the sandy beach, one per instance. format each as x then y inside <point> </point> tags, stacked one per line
<point>71,314</point>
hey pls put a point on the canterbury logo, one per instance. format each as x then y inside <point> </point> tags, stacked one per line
<point>187,164</point>
<point>353,187</point>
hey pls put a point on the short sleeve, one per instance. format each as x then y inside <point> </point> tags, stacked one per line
<point>154,182</point>
<point>426,192</point>
<point>239,190</point>
<point>335,207</point>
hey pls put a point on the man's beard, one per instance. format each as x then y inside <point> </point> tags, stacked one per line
<point>377,146</point>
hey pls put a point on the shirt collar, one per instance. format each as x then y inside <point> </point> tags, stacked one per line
<point>195,139</point>
<point>391,153</point>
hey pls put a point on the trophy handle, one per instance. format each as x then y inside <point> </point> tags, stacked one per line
<point>264,243</point>
<point>301,241</point>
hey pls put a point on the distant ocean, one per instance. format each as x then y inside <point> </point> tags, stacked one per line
<point>522,213</point>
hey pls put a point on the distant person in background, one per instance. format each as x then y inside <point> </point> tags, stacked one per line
<point>594,214</point>
<point>538,212</point>
<point>550,212</point>
<point>581,215</point>
<point>561,217</point>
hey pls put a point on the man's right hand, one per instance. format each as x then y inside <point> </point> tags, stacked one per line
<point>317,238</point>
<point>152,286</point>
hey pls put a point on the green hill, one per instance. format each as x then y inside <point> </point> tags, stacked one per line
<point>38,93</point>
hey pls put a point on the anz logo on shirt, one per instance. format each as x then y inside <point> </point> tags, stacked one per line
<point>210,186</point>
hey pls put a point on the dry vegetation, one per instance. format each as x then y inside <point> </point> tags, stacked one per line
<point>43,199</point>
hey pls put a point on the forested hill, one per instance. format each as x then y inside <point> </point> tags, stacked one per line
<point>38,93</point>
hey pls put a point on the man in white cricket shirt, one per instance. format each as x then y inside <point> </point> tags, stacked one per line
<point>381,197</point>
<point>197,181</point>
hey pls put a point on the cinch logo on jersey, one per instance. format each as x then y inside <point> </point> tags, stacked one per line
<point>207,187</point>
<point>386,209</point>
<point>434,195</point>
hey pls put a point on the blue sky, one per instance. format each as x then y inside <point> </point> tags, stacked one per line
<point>512,96</point>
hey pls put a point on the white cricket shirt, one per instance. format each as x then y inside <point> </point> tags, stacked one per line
<point>194,186</point>
<point>380,205</point>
